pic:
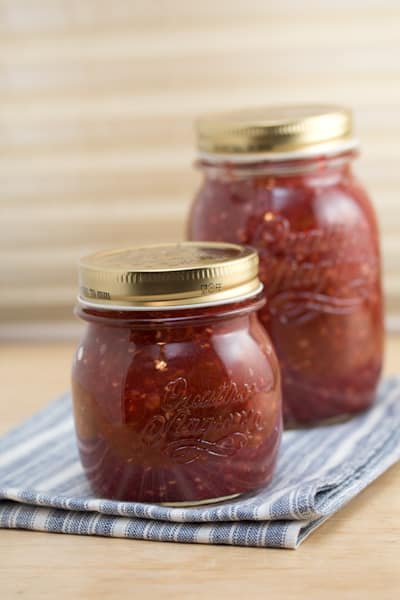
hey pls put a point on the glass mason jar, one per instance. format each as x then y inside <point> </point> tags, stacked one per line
<point>176,386</point>
<point>280,179</point>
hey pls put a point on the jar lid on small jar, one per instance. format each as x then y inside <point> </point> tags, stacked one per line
<point>287,131</point>
<point>169,275</point>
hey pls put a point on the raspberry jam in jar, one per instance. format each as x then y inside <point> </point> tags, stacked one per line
<point>176,386</point>
<point>280,179</point>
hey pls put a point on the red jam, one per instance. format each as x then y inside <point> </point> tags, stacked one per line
<point>315,230</point>
<point>176,406</point>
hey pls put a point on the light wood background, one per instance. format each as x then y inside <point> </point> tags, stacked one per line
<point>97,100</point>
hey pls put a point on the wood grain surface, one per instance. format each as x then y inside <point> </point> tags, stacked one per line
<point>97,102</point>
<point>353,556</point>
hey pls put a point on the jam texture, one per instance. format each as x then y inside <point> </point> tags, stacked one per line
<point>172,407</point>
<point>316,234</point>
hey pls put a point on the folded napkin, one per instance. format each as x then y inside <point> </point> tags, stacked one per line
<point>42,485</point>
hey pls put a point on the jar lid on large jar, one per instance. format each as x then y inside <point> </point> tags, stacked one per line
<point>169,276</point>
<point>276,132</point>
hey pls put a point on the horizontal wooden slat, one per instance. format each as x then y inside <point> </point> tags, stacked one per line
<point>52,80</point>
<point>238,42</point>
<point>23,137</point>
<point>136,186</point>
<point>90,231</point>
<point>41,16</point>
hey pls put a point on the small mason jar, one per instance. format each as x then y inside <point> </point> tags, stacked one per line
<point>176,386</point>
<point>281,180</point>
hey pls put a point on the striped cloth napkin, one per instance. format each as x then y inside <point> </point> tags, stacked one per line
<point>42,486</point>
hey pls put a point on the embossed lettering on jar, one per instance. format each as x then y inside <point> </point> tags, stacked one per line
<point>176,386</point>
<point>281,180</point>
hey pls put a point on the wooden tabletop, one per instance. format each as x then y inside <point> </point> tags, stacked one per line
<point>355,554</point>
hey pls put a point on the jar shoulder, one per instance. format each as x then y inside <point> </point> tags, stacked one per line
<point>232,210</point>
<point>110,361</point>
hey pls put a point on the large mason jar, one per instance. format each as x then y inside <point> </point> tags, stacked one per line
<point>281,180</point>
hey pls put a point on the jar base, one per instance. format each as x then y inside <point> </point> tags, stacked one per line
<point>199,502</point>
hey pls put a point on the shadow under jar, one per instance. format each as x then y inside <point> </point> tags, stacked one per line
<point>280,179</point>
<point>176,386</point>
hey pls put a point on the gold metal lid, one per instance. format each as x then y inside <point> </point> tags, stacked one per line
<point>169,275</point>
<point>276,132</point>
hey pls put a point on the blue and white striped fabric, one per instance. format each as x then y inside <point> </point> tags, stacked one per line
<point>42,486</point>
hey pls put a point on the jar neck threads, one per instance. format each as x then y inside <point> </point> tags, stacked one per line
<point>183,316</point>
<point>215,169</point>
